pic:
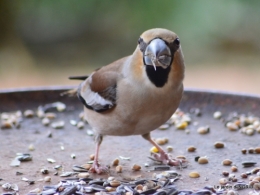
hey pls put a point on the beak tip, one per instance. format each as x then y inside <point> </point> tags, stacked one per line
<point>154,65</point>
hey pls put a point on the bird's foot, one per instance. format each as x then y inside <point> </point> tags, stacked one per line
<point>97,168</point>
<point>167,159</point>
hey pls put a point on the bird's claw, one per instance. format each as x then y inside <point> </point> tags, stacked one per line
<point>97,168</point>
<point>168,160</point>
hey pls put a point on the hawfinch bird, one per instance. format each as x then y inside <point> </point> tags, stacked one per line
<point>136,94</point>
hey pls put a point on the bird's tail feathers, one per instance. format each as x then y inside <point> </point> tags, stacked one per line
<point>78,77</point>
<point>70,93</point>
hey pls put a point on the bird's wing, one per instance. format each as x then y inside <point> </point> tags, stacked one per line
<point>99,91</point>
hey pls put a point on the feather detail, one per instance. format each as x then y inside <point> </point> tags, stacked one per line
<point>99,91</point>
<point>70,93</point>
<point>93,100</point>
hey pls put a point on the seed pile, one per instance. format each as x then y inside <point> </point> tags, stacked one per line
<point>180,120</point>
<point>11,120</point>
<point>246,124</point>
<point>252,175</point>
<point>14,119</point>
<point>20,157</point>
<point>161,184</point>
<point>255,150</point>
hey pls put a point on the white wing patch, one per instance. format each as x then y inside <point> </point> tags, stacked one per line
<point>96,101</point>
<point>92,99</point>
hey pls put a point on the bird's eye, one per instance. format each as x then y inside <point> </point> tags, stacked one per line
<point>140,40</point>
<point>177,41</point>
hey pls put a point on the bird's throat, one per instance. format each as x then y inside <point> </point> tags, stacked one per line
<point>158,77</point>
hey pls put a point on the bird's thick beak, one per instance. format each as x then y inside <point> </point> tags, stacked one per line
<point>157,53</point>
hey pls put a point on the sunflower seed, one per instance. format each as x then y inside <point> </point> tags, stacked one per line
<point>83,175</point>
<point>48,192</point>
<point>162,192</point>
<point>57,167</point>
<point>47,179</point>
<point>90,132</point>
<point>115,183</point>
<point>69,191</point>
<point>161,168</point>
<point>203,192</point>
<point>30,182</point>
<point>8,186</point>
<point>50,160</point>
<point>79,168</point>
<point>147,192</point>
<point>96,182</point>
<point>28,113</point>
<point>59,106</point>
<point>24,157</point>
<point>44,171</point>
<point>15,163</point>
<point>6,125</point>
<point>217,115</point>
<point>73,122</point>
<point>18,173</point>
<point>203,130</point>
<point>58,125</point>
<point>67,174</point>
<point>88,189</point>
<point>80,125</point>
<point>124,158</point>
<point>232,126</point>
<point>248,164</point>
<point>97,187</point>
<point>50,115</point>
<point>40,112</point>
<point>36,190</point>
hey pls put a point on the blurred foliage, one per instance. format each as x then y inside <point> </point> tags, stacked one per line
<point>109,29</point>
<point>56,20</point>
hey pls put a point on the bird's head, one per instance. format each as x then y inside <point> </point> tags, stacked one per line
<point>158,47</point>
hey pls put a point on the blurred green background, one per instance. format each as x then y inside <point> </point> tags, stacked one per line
<point>42,42</point>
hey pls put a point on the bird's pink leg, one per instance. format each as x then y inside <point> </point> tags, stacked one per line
<point>96,167</point>
<point>163,156</point>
